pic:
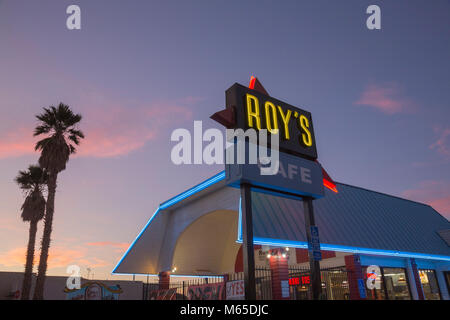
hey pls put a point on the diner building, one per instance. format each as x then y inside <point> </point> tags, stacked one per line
<point>374,245</point>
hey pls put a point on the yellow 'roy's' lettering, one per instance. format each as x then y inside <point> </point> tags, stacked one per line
<point>306,136</point>
<point>271,119</point>
<point>253,114</point>
<point>271,112</point>
<point>285,117</point>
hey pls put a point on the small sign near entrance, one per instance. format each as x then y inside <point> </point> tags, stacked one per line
<point>285,289</point>
<point>362,289</point>
<point>317,255</point>
<point>235,290</point>
<point>314,245</point>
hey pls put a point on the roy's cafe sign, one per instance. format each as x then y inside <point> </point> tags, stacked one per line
<point>252,108</point>
<point>256,110</point>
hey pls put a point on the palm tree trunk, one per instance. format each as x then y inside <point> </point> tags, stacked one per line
<point>26,285</point>
<point>45,244</point>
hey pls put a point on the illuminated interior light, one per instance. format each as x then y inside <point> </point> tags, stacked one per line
<point>268,256</point>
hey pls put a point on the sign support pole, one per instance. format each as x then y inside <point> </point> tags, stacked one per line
<point>247,243</point>
<point>314,264</point>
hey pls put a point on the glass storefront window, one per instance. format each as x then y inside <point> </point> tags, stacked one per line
<point>373,292</point>
<point>396,284</point>
<point>447,279</point>
<point>429,284</point>
<point>335,285</point>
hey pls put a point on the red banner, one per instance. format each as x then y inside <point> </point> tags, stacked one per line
<point>208,291</point>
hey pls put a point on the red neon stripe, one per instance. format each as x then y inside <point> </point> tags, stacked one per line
<point>252,82</point>
<point>330,185</point>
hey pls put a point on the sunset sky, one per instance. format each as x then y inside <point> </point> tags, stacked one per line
<point>137,70</point>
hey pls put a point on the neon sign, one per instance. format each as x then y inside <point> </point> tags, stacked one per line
<point>256,110</point>
<point>296,281</point>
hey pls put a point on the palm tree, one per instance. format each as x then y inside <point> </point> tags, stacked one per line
<point>59,126</point>
<point>32,182</point>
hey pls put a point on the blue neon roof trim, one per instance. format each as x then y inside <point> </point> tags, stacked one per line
<point>239,232</point>
<point>135,240</point>
<point>172,275</point>
<point>355,220</point>
<point>334,247</point>
<point>214,179</point>
<point>201,186</point>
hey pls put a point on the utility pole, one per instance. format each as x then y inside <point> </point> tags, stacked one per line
<point>247,243</point>
<point>314,264</point>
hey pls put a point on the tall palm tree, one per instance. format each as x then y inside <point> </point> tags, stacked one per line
<point>58,124</point>
<point>33,182</point>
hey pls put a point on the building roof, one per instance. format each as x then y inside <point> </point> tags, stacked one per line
<point>352,220</point>
<point>356,218</point>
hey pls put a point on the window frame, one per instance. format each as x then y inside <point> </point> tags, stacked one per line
<point>408,283</point>
<point>437,282</point>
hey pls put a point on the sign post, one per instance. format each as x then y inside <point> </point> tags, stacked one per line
<point>298,174</point>
<point>314,264</point>
<point>247,243</point>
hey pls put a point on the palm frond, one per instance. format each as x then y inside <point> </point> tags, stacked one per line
<point>59,123</point>
<point>33,178</point>
<point>40,145</point>
<point>74,139</point>
<point>72,149</point>
<point>42,129</point>
<point>77,133</point>
<point>33,207</point>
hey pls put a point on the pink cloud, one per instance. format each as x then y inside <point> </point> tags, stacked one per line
<point>11,224</point>
<point>111,128</point>
<point>59,257</point>
<point>115,131</point>
<point>386,98</point>
<point>17,143</point>
<point>94,262</point>
<point>442,144</point>
<point>434,193</point>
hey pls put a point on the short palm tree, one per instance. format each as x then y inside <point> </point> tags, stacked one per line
<point>58,124</point>
<point>32,182</point>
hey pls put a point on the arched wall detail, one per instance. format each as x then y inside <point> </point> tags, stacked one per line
<point>207,245</point>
